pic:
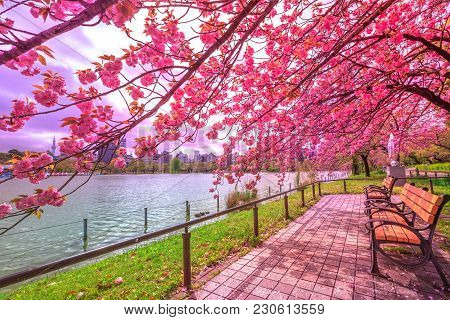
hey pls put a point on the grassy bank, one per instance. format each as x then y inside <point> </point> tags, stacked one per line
<point>444,166</point>
<point>154,271</point>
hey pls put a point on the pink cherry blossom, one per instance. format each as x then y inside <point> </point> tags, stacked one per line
<point>5,209</point>
<point>136,93</point>
<point>47,97</point>
<point>87,76</point>
<point>120,163</point>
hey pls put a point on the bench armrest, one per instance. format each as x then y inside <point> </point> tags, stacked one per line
<point>393,204</point>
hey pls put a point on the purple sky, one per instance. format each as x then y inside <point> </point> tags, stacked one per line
<point>74,51</point>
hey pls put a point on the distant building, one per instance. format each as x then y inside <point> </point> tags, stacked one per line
<point>209,157</point>
<point>123,143</point>
<point>229,160</point>
<point>197,156</point>
<point>54,147</point>
<point>129,158</point>
<point>184,158</point>
<point>106,154</point>
<point>164,157</point>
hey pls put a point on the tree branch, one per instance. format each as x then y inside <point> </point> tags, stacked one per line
<point>90,12</point>
<point>429,45</point>
<point>429,95</point>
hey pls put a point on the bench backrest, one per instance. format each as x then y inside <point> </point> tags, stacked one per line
<point>425,204</point>
<point>388,183</point>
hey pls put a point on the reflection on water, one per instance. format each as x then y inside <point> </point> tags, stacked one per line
<point>114,206</point>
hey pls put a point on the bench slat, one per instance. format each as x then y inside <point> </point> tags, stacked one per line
<point>423,203</point>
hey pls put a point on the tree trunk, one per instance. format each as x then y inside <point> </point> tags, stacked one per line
<point>355,167</point>
<point>365,160</point>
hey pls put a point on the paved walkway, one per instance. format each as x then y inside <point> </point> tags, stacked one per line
<point>321,255</point>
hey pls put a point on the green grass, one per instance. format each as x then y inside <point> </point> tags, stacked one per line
<point>443,166</point>
<point>154,271</point>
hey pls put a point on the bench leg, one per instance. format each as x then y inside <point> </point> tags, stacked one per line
<point>374,270</point>
<point>440,271</point>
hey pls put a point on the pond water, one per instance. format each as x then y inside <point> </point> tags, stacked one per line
<point>114,206</point>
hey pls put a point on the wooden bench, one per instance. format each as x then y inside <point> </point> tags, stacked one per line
<point>374,193</point>
<point>411,222</point>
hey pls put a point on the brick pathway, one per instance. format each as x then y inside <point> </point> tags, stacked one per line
<point>322,255</point>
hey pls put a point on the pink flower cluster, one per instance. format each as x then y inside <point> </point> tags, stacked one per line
<point>51,196</point>
<point>120,13</point>
<point>21,110</point>
<point>47,97</point>
<point>70,145</point>
<point>208,35</point>
<point>121,151</point>
<point>110,74</point>
<point>87,76</point>
<point>85,128</point>
<point>25,63</point>
<point>56,83</point>
<point>54,86</point>
<point>104,113</point>
<point>32,167</point>
<point>148,80</point>
<point>85,162</point>
<point>146,146</point>
<point>63,8</point>
<point>136,93</point>
<point>120,163</point>
<point>5,209</point>
<point>5,25</point>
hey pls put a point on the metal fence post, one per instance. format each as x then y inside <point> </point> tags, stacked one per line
<point>303,196</point>
<point>286,207</point>
<point>431,186</point>
<point>218,204</point>
<point>345,186</point>
<point>188,212</point>
<point>313,186</point>
<point>320,189</point>
<point>255,221</point>
<point>187,280</point>
<point>145,219</point>
<point>281,188</point>
<point>290,186</point>
<point>269,190</point>
<point>85,234</point>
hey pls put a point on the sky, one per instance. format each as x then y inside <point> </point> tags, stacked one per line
<point>74,51</point>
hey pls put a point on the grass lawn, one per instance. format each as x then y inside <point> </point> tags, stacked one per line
<point>154,271</point>
<point>443,166</point>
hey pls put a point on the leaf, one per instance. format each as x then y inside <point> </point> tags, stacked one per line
<point>68,121</point>
<point>41,88</point>
<point>42,60</point>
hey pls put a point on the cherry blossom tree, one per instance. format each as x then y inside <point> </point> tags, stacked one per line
<point>415,130</point>
<point>281,76</point>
